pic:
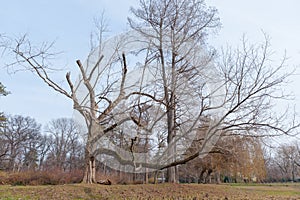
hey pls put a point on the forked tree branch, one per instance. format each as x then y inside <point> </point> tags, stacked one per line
<point>121,95</point>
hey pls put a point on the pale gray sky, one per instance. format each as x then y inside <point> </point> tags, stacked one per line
<point>69,23</point>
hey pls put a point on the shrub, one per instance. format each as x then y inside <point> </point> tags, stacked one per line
<point>52,177</point>
<point>3,177</point>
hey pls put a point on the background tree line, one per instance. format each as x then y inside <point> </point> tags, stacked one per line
<point>26,148</point>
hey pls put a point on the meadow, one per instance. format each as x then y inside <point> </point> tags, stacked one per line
<point>151,191</point>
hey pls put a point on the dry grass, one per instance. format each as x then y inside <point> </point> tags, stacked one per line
<point>160,191</point>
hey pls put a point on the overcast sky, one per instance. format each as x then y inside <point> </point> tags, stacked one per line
<point>69,23</point>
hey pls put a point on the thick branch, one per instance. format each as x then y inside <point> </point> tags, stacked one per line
<point>121,95</point>
<point>90,89</point>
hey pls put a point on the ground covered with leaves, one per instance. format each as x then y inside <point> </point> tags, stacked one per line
<point>159,191</point>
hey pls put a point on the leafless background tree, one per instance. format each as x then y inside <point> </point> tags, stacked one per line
<point>283,163</point>
<point>19,138</point>
<point>65,144</point>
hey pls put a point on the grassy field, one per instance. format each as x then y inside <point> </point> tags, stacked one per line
<point>161,191</point>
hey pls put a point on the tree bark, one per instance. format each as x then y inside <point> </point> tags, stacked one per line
<point>90,170</point>
<point>171,171</point>
<point>171,175</point>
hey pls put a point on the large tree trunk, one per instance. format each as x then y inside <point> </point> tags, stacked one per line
<point>90,170</point>
<point>171,175</point>
<point>171,171</point>
<point>90,163</point>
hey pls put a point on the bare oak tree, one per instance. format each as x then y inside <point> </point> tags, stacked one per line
<point>96,95</point>
<point>178,29</point>
<point>244,85</point>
